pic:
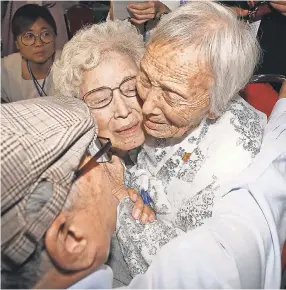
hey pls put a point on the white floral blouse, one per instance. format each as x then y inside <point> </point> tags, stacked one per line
<point>183,175</point>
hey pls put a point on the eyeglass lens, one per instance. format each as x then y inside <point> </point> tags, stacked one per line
<point>102,97</point>
<point>30,38</point>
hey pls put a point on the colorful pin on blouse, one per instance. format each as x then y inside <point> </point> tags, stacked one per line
<point>145,196</point>
<point>186,157</point>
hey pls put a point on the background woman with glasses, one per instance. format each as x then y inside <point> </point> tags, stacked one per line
<point>26,74</point>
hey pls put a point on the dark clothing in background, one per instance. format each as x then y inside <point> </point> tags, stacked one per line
<point>272,38</point>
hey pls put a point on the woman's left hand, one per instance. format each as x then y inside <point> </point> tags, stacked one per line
<point>141,211</point>
<point>146,11</point>
<point>115,171</point>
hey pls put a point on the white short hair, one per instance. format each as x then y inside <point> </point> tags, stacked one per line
<point>225,43</point>
<point>86,49</point>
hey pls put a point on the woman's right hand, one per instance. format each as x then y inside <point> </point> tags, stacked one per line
<point>142,212</point>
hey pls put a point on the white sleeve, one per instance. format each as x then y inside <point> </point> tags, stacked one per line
<point>5,86</point>
<point>140,243</point>
<point>276,119</point>
<point>100,279</point>
<point>239,248</point>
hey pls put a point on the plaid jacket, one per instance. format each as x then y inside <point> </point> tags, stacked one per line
<point>41,139</point>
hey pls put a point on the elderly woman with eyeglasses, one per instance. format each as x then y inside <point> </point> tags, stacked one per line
<point>99,65</point>
<point>26,74</point>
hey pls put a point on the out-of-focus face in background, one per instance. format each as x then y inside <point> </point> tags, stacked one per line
<point>110,92</point>
<point>37,49</point>
<point>174,88</point>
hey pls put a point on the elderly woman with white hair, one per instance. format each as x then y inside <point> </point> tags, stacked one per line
<point>202,133</point>
<point>99,65</point>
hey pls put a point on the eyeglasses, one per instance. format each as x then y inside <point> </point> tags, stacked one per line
<point>29,38</point>
<point>102,97</point>
<point>100,156</point>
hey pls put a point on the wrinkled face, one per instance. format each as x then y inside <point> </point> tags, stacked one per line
<point>174,89</point>
<point>39,52</point>
<point>120,116</point>
<point>78,240</point>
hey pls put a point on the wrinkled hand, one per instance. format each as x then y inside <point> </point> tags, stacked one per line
<point>115,173</point>
<point>141,211</point>
<point>146,11</point>
<point>279,6</point>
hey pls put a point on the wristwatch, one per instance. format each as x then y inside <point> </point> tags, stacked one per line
<point>159,15</point>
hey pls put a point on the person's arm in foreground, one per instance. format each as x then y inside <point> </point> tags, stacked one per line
<point>241,245</point>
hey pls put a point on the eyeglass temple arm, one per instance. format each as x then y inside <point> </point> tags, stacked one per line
<point>265,78</point>
<point>105,148</point>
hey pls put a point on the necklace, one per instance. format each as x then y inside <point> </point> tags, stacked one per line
<point>39,88</point>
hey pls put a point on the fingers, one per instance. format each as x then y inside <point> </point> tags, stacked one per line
<point>279,6</point>
<point>144,16</point>
<point>134,20</point>
<point>142,6</point>
<point>133,194</point>
<point>143,12</point>
<point>279,2</point>
<point>148,215</point>
<point>138,208</point>
<point>142,212</point>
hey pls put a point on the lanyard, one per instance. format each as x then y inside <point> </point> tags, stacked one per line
<point>40,88</point>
